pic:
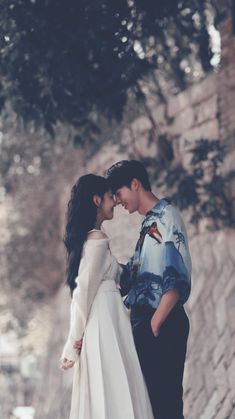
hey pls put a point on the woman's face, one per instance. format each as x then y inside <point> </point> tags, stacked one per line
<point>107,205</point>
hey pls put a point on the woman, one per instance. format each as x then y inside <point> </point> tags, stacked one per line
<point>108,382</point>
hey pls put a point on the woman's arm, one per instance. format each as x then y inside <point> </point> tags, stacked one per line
<point>94,265</point>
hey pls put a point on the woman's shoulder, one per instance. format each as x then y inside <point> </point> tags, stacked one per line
<point>96,237</point>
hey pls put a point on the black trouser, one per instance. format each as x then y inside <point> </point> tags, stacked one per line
<point>162,360</point>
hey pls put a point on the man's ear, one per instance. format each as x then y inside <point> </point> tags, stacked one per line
<point>97,200</point>
<point>135,184</point>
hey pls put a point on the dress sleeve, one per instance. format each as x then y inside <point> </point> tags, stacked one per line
<point>94,265</point>
<point>126,277</point>
<point>176,256</point>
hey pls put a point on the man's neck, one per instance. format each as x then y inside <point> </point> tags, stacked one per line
<point>147,201</point>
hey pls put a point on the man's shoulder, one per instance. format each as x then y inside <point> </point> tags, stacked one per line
<point>167,214</point>
<point>171,210</point>
<point>163,208</point>
<point>163,214</point>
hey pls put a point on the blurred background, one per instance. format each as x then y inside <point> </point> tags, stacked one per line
<point>85,84</point>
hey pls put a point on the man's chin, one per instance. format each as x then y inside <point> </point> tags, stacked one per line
<point>129,210</point>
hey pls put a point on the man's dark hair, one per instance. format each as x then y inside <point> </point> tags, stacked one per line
<point>123,172</point>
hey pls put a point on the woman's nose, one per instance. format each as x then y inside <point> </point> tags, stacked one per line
<point>117,200</point>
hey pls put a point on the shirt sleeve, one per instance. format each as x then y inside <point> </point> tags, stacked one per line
<point>176,256</point>
<point>93,268</point>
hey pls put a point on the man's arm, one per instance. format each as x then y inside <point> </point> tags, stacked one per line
<point>177,268</point>
<point>168,301</point>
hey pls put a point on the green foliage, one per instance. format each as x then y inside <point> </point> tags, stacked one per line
<point>64,60</point>
<point>202,188</point>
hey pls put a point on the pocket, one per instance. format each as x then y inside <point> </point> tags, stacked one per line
<point>149,328</point>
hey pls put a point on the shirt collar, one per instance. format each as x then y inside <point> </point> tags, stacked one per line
<point>158,207</point>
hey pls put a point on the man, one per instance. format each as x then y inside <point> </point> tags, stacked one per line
<point>156,282</point>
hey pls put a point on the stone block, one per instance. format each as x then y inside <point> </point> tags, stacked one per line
<point>231,75</point>
<point>197,288</point>
<point>211,408</point>
<point>207,110</point>
<point>230,304</point>
<point>209,378</point>
<point>228,163</point>
<point>188,405</point>
<point>221,347</point>
<point>231,375</point>
<point>188,140</point>
<point>187,373</point>
<point>144,148</point>
<point>218,289</point>
<point>159,115</point>
<point>230,99</point>
<point>221,316</point>
<point>198,404</point>
<point>177,103</point>
<point>208,311</point>
<point>230,350</point>
<point>223,271</point>
<point>197,320</point>
<point>198,379</point>
<point>208,342</point>
<point>207,258</point>
<point>137,138</point>
<point>228,271</point>
<point>231,127</point>
<point>225,409</point>
<point>221,380</point>
<point>126,138</point>
<point>190,345</point>
<point>186,161</point>
<point>182,122</point>
<point>209,130</point>
<point>141,125</point>
<point>220,250</point>
<point>203,90</point>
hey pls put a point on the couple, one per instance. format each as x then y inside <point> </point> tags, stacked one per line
<point>126,366</point>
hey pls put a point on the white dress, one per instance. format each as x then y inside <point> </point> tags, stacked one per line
<point>108,381</point>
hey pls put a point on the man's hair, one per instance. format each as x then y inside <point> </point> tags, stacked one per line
<point>123,172</point>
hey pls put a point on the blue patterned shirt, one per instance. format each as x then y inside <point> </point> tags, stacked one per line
<point>161,261</point>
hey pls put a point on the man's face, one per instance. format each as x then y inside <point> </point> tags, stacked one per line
<point>128,198</point>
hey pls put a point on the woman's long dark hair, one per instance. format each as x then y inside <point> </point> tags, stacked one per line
<point>81,217</point>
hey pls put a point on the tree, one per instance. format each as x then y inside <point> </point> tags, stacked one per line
<point>202,189</point>
<point>69,61</point>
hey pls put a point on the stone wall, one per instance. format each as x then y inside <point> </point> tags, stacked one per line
<point>206,110</point>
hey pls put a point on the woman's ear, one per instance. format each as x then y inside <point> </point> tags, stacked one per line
<point>97,200</point>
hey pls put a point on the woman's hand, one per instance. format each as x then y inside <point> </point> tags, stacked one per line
<point>66,364</point>
<point>78,346</point>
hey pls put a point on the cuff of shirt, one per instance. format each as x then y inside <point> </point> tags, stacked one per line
<point>180,285</point>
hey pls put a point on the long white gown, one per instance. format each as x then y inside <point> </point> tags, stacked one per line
<point>108,381</point>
